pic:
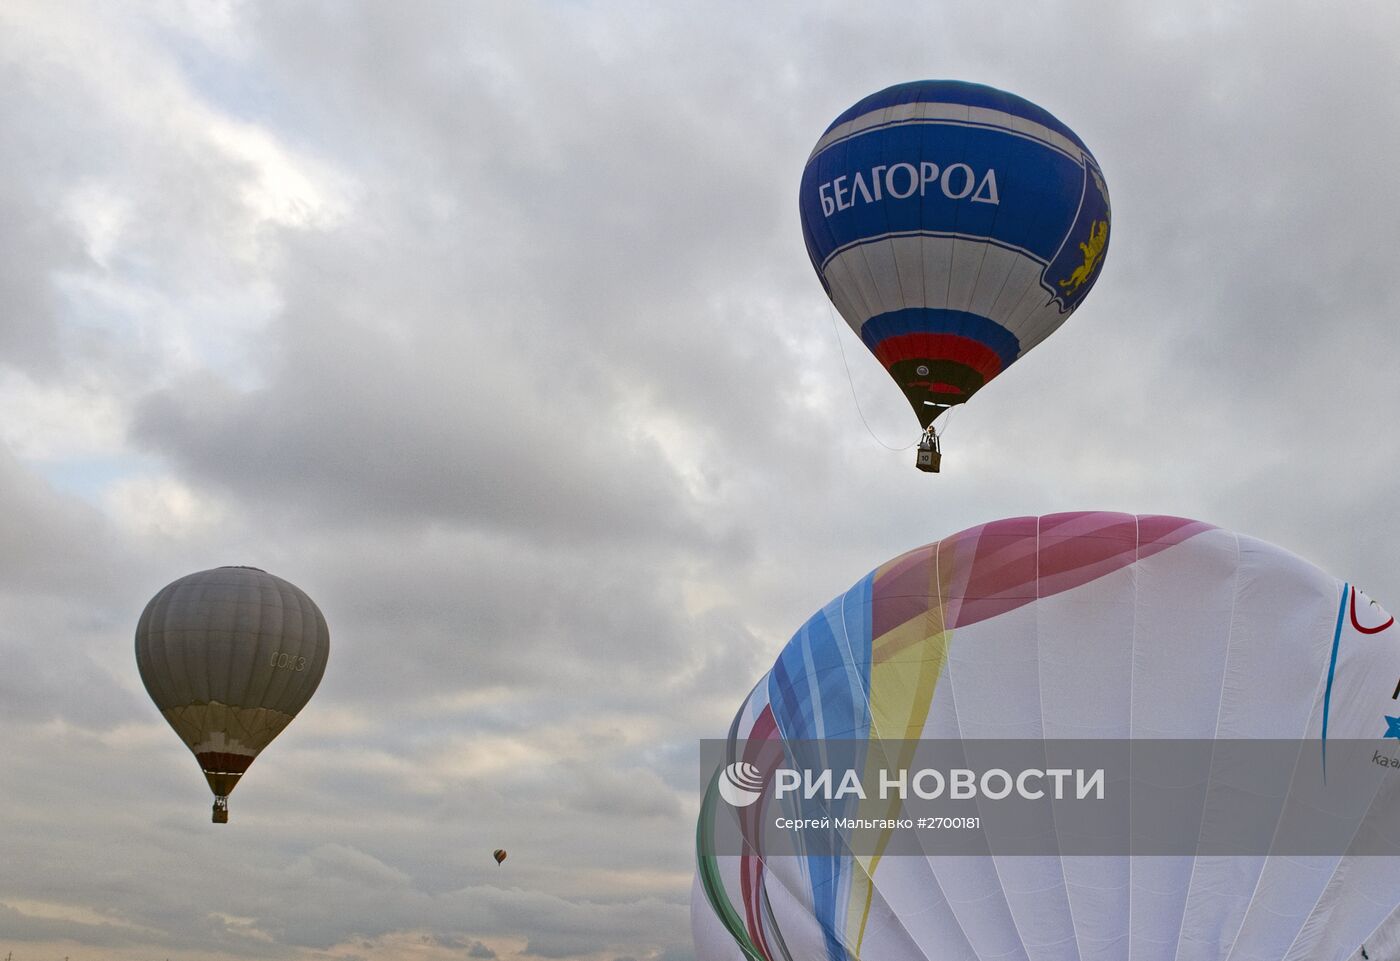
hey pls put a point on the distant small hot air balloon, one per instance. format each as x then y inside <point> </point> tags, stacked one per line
<point>499,854</point>
<point>954,226</point>
<point>229,656</point>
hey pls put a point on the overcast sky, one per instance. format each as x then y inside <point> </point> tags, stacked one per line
<point>491,327</point>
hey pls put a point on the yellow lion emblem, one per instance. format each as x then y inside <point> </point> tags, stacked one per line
<point>1093,253</point>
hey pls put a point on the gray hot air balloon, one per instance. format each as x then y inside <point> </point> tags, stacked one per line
<point>230,656</point>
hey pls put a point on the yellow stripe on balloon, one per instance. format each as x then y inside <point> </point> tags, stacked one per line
<point>905,665</point>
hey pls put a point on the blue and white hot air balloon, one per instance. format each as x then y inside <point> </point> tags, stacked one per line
<point>954,226</point>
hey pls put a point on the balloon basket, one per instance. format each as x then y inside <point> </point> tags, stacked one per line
<point>221,810</point>
<point>929,458</point>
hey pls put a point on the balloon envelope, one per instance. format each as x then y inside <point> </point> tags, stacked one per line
<point>954,226</point>
<point>229,656</point>
<point>499,854</point>
<point>1082,626</point>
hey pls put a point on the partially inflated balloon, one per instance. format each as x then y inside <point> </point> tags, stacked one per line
<point>955,227</point>
<point>1069,626</point>
<point>230,656</point>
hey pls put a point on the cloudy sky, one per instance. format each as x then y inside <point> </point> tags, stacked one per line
<point>491,327</point>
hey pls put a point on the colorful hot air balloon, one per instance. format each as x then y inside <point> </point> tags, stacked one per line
<point>230,656</point>
<point>499,854</point>
<point>955,227</point>
<point>1069,626</point>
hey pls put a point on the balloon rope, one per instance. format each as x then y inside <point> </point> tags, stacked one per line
<point>948,420</point>
<point>836,330</point>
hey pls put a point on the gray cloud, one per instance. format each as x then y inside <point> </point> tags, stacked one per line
<point>493,330</point>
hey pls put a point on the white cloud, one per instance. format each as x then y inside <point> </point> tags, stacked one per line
<point>164,508</point>
<point>494,331</point>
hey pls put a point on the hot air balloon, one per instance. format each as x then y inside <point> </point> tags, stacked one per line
<point>1070,626</point>
<point>954,226</point>
<point>229,656</point>
<point>499,854</point>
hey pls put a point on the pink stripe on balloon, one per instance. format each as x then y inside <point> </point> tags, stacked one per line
<point>994,568</point>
